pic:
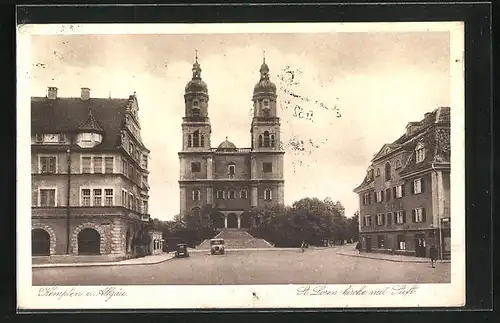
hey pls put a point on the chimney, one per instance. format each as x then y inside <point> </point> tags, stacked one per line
<point>411,128</point>
<point>85,94</point>
<point>52,93</point>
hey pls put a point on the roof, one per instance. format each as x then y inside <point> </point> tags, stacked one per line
<point>264,86</point>
<point>68,114</point>
<point>226,145</point>
<point>433,131</point>
<point>91,124</point>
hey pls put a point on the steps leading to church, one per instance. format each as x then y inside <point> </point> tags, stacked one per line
<point>237,239</point>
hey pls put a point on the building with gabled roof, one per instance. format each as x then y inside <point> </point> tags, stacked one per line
<point>89,176</point>
<point>405,194</point>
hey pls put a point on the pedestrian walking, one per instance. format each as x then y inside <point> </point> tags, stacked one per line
<point>433,253</point>
<point>302,246</point>
<point>358,247</point>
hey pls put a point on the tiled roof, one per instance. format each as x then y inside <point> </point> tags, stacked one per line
<point>436,141</point>
<point>91,124</point>
<point>67,114</point>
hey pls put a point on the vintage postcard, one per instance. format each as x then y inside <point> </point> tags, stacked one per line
<point>211,166</point>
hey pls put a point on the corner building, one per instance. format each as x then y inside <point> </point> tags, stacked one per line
<point>89,177</point>
<point>230,180</point>
<point>405,195</point>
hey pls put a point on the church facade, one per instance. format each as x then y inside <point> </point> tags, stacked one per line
<point>229,179</point>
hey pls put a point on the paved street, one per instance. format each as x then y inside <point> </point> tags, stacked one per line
<point>323,266</point>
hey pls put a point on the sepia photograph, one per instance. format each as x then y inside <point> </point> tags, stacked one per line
<point>241,165</point>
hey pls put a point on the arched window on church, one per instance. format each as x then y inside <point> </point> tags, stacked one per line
<point>272,141</point>
<point>190,142</point>
<point>202,143</point>
<point>196,138</point>
<point>266,138</point>
<point>260,140</point>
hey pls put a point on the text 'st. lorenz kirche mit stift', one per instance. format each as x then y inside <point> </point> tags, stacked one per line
<point>230,179</point>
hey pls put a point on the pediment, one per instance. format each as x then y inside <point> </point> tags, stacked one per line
<point>386,149</point>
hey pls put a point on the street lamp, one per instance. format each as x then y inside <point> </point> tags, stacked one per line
<point>68,239</point>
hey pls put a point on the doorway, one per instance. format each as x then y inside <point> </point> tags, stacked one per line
<point>232,221</point>
<point>89,242</point>
<point>40,242</point>
<point>368,244</point>
<point>420,245</point>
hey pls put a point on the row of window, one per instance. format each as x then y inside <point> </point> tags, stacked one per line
<point>94,197</point>
<point>50,138</point>
<point>416,187</point>
<point>231,168</point>
<point>221,195</point>
<point>399,217</point>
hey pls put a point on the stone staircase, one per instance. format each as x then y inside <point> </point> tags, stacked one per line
<point>237,239</point>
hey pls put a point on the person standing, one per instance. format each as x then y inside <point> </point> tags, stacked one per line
<point>358,247</point>
<point>433,253</point>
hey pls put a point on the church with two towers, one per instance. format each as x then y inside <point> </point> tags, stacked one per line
<point>231,180</point>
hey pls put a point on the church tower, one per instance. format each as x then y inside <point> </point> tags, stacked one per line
<point>267,156</point>
<point>196,127</point>
<point>194,157</point>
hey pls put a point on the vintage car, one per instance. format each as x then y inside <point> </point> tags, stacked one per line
<point>182,250</point>
<point>217,246</point>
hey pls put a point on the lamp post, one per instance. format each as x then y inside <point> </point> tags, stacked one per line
<point>68,238</point>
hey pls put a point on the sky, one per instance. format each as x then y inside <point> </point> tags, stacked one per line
<point>362,88</point>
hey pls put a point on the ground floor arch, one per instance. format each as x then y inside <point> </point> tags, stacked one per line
<point>89,242</point>
<point>40,242</point>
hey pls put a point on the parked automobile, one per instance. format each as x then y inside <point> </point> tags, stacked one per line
<point>182,250</point>
<point>217,246</point>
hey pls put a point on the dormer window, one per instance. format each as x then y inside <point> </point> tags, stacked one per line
<point>420,153</point>
<point>62,137</point>
<point>398,163</point>
<point>39,137</point>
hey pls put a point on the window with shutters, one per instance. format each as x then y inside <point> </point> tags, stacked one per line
<point>419,215</point>
<point>47,197</point>
<point>380,219</point>
<point>220,195</point>
<point>388,217</point>
<point>399,191</point>
<point>366,198</point>
<point>400,217</point>
<point>47,164</point>
<point>97,197</point>
<point>388,193</point>
<point>232,195</point>
<point>196,194</point>
<point>417,186</point>
<point>368,220</point>
<point>378,196</point>
<point>243,194</point>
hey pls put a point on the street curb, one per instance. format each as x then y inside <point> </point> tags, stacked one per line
<point>393,260</point>
<point>97,264</point>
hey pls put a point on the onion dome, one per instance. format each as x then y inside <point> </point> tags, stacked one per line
<point>196,85</point>
<point>264,86</point>
<point>226,145</point>
<point>91,125</point>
